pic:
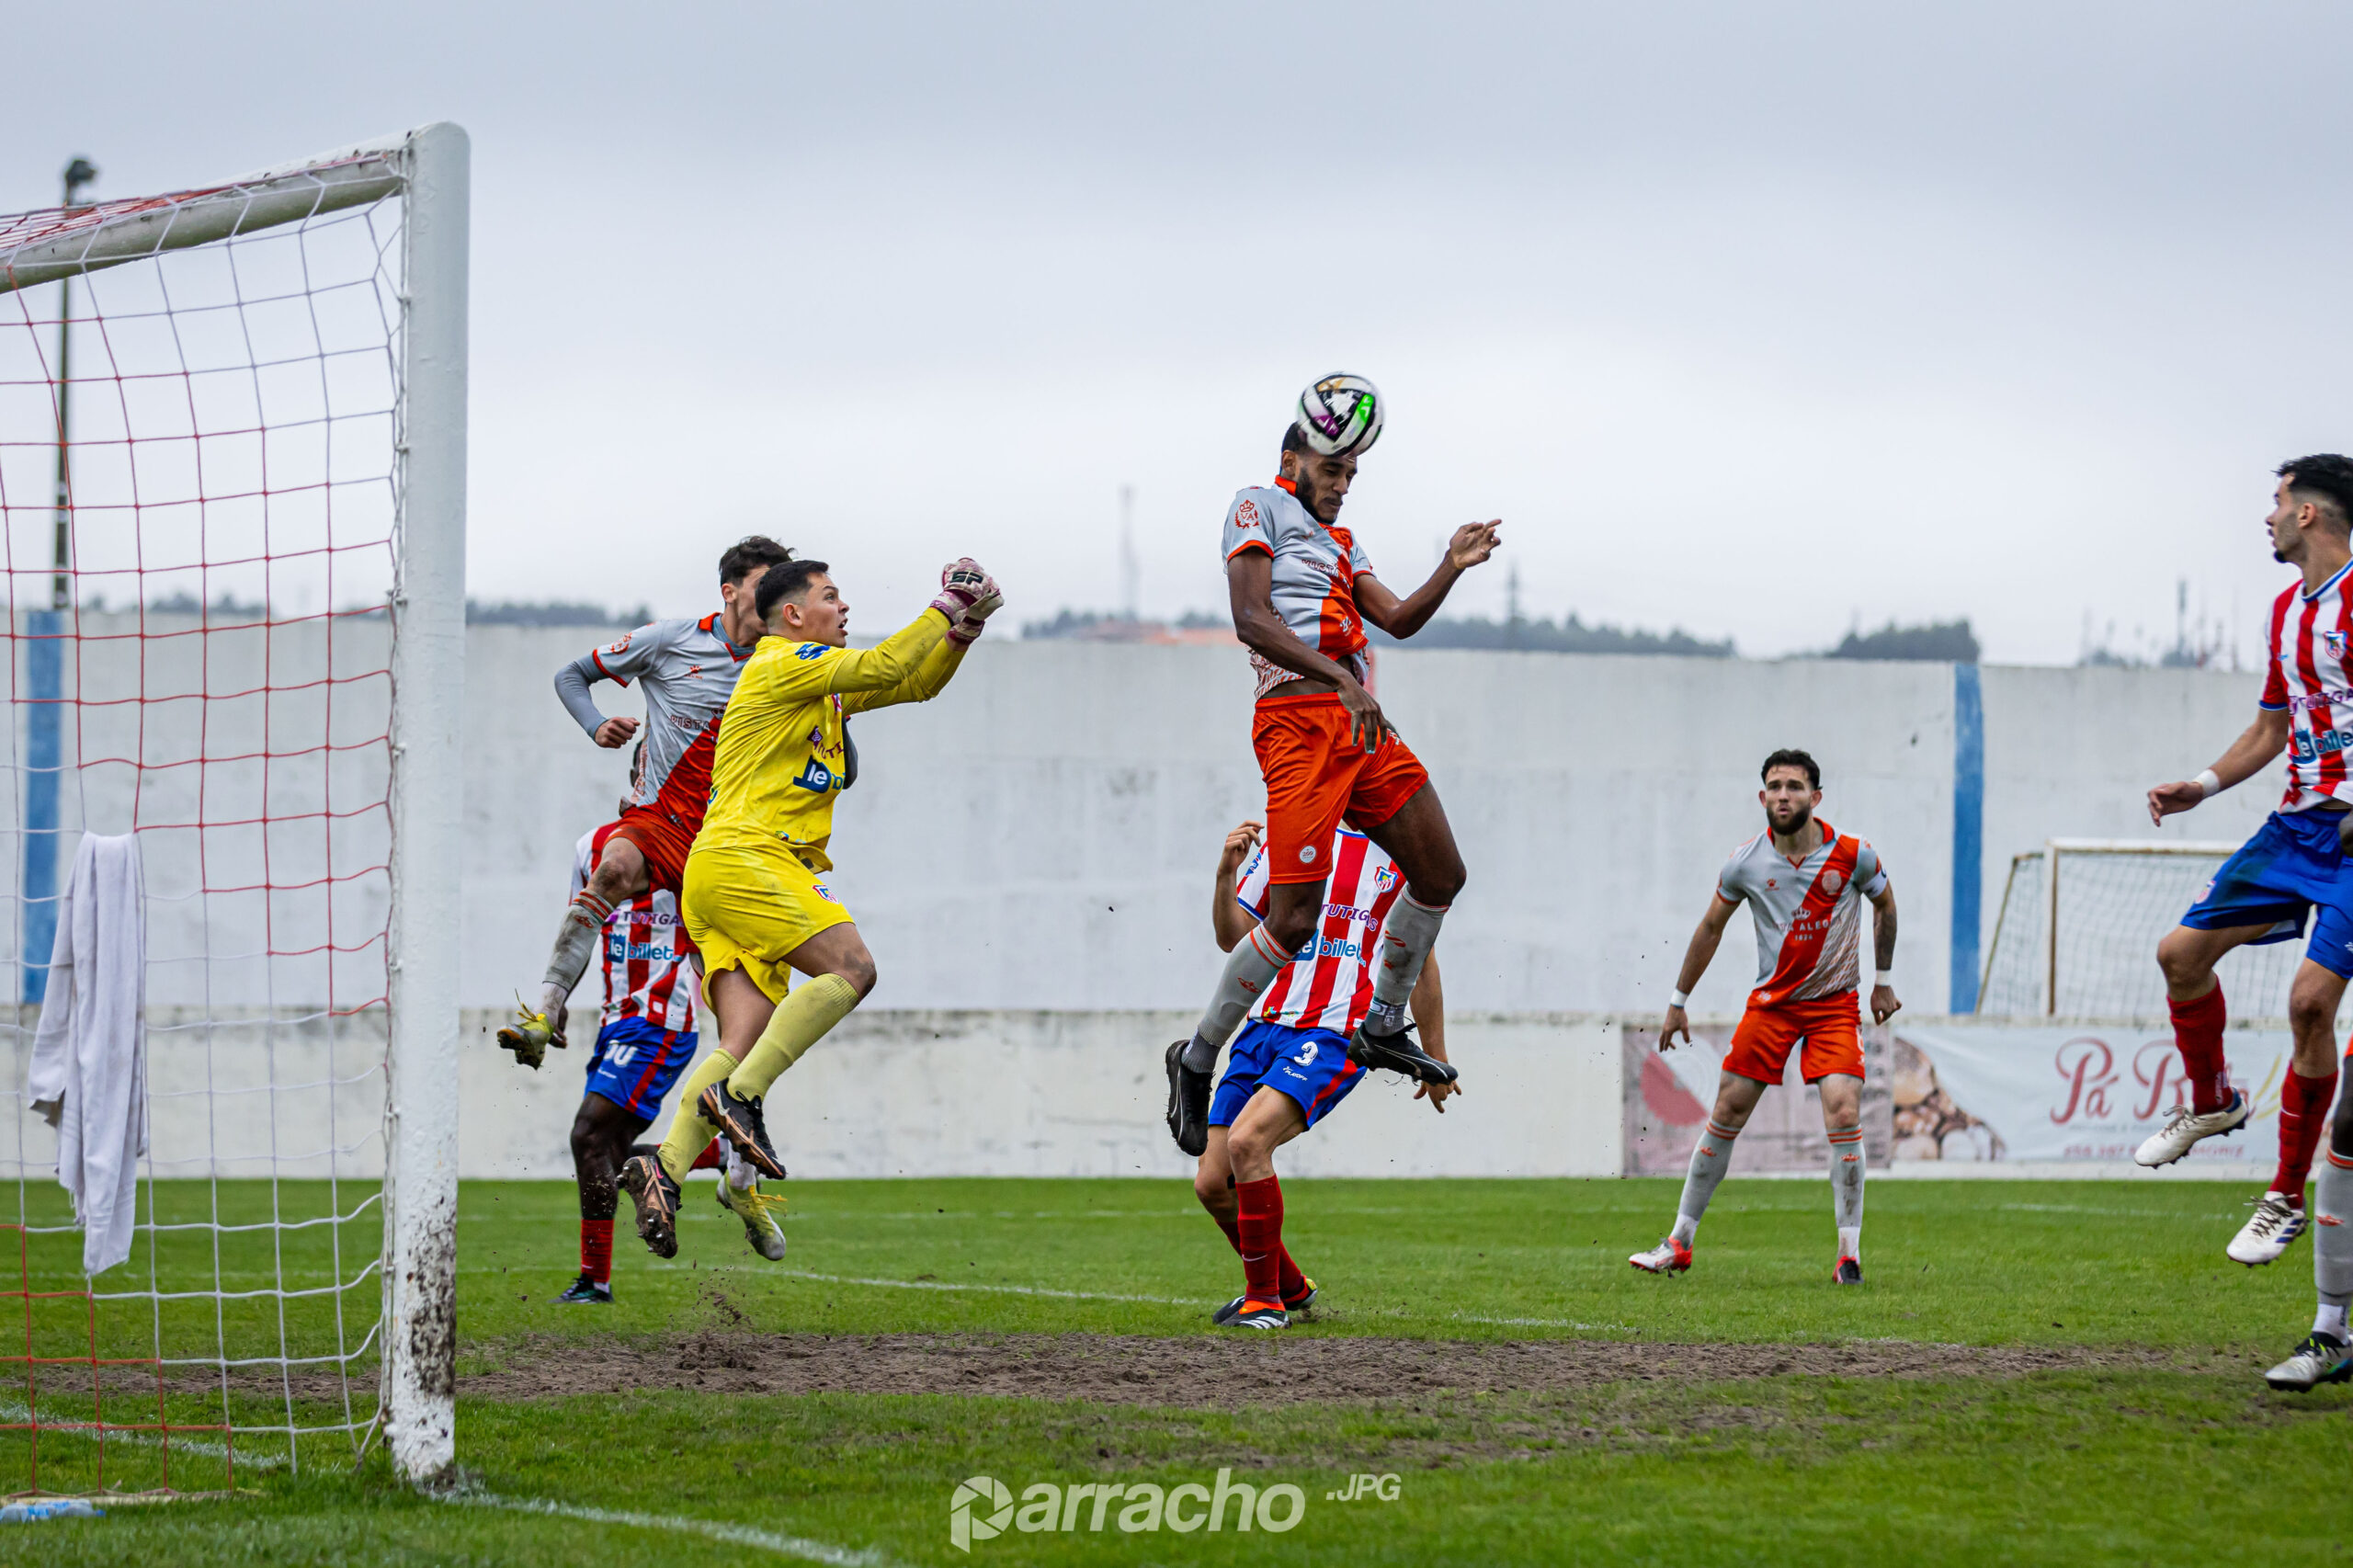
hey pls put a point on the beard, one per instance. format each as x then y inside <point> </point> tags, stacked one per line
<point>1322,510</point>
<point>1796,825</point>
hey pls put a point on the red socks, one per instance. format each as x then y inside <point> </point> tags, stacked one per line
<point>2303,1116</point>
<point>711,1159</point>
<point>2198,1031</point>
<point>1294,1283</point>
<point>1261,1225</point>
<point>596,1249</point>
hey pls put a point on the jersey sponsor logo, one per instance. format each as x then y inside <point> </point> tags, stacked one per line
<point>1349,912</point>
<point>2306,747</point>
<point>810,651</point>
<point>817,777</point>
<point>620,949</point>
<point>1328,947</point>
<point>2341,696</point>
<point>1245,516</point>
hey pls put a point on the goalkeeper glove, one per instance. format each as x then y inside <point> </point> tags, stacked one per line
<point>968,597</point>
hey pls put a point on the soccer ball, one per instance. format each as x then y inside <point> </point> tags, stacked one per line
<point>1340,415</point>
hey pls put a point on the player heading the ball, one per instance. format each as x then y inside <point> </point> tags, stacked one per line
<point>1802,881</point>
<point>2295,866</point>
<point>1301,589</point>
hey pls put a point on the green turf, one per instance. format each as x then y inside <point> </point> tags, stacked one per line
<point>2145,1465</point>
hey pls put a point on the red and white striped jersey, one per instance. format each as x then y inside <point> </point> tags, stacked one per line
<point>1315,586</point>
<point>1328,984</point>
<point>647,970</point>
<point>2309,677</point>
<point>1808,913</point>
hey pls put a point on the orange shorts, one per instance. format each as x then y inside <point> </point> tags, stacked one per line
<point>1317,774</point>
<point>663,839</point>
<point>1760,1046</point>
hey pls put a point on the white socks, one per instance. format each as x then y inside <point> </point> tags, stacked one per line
<point>575,943</point>
<point>1847,1188</point>
<point>1249,969</point>
<point>2331,1204</point>
<point>1407,937</point>
<point>1710,1158</point>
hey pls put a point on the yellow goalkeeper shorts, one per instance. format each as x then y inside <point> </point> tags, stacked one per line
<point>747,908</point>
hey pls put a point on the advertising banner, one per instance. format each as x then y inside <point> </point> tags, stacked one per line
<point>1965,1091</point>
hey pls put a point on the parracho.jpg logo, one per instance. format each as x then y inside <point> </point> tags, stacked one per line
<point>984,1507</point>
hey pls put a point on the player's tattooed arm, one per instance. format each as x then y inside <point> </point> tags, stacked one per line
<point>1428,1006</point>
<point>1227,918</point>
<point>1471,545</point>
<point>1696,958</point>
<point>1884,1005</point>
<point>2248,755</point>
<point>1250,590</point>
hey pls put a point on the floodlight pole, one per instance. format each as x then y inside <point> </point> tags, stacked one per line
<point>45,659</point>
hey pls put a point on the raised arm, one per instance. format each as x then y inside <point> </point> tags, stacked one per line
<point>1228,918</point>
<point>1472,544</point>
<point>890,662</point>
<point>928,680</point>
<point>1696,958</point>
<point>2248,756</point>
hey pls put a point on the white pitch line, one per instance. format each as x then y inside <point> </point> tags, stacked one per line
<point>12,1411</point>
<point>993,1289</point>
<point>735,1535</point>
<point>1550,1323</point>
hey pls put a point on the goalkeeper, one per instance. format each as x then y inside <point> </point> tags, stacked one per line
<point>756,901</point>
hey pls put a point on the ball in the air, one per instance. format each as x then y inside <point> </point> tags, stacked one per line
<point>1341,414</point>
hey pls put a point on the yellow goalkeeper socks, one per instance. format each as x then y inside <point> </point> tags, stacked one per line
<point>801,1021</point>
<point>690,1134</point>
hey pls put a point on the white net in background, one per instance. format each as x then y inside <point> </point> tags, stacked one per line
<point>211,677</point>
<point>2117,900</point>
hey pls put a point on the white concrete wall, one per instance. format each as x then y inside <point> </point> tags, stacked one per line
<point>1037,844</point>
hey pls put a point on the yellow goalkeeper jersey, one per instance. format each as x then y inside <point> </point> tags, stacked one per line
<point>781,756</point>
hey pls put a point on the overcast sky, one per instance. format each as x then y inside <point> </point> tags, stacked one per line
<point>1756,321</point>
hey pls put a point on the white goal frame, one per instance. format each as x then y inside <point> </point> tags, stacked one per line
<point>429,168</point>
<point>2052,853</point>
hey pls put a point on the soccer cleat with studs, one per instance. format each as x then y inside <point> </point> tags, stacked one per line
<point>761,1228</point>
<point>1849,1272</point>
<point>529,1036</point>
<point>1398,1052</point>
<point>2185,1127</point>
<point>1258,1314</point>
<point>1670,1257</point>
<point>1188,1103</point>
<point>744,1126</point>
<point>2321,1359</point>
<point>586,1292</point>
<point>2269,1233</point>
<point>657,1197</point>
<point>1232,1309</point>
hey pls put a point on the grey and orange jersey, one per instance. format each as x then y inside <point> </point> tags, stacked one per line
<point>1315,573</point>
<point>686,670</point>
<point>1808,913</point>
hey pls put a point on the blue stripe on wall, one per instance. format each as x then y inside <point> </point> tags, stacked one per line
<point>44,753</point>
<point>1968,831</point>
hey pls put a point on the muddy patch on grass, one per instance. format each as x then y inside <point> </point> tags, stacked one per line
<point>1213,1373</point>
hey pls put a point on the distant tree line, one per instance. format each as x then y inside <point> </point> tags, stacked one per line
<point>552,612</point>
<point>1543,636</point>
<point>1945,641</point>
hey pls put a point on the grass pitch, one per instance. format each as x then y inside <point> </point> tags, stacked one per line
<point>2142,1437</point>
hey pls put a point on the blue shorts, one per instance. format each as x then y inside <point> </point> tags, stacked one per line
<point>635,1063</point>
<point>1311,1066</point>
<point>2292,865</point>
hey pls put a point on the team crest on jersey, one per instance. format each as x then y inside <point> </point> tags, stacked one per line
<point>1385,878</point>
<point>2335,641</point>
<point>1307,854</point>
<point>1831,882</point>
<point>1245,516</point>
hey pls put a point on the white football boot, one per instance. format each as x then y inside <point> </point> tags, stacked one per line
<point>2186,1127</point>
<point>2269,1233</point>
<point>2321,1359</point>
<point>1670,1257</point>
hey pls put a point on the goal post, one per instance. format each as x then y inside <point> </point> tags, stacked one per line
<point>2080,919</point>
<point>248,691</point>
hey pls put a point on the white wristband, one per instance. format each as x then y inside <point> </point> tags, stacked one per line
<point>1886,977</point>
<point>2208,783</point>
<point>1678,998</point>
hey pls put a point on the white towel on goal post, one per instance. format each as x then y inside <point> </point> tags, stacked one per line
<point>89,1066</point>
